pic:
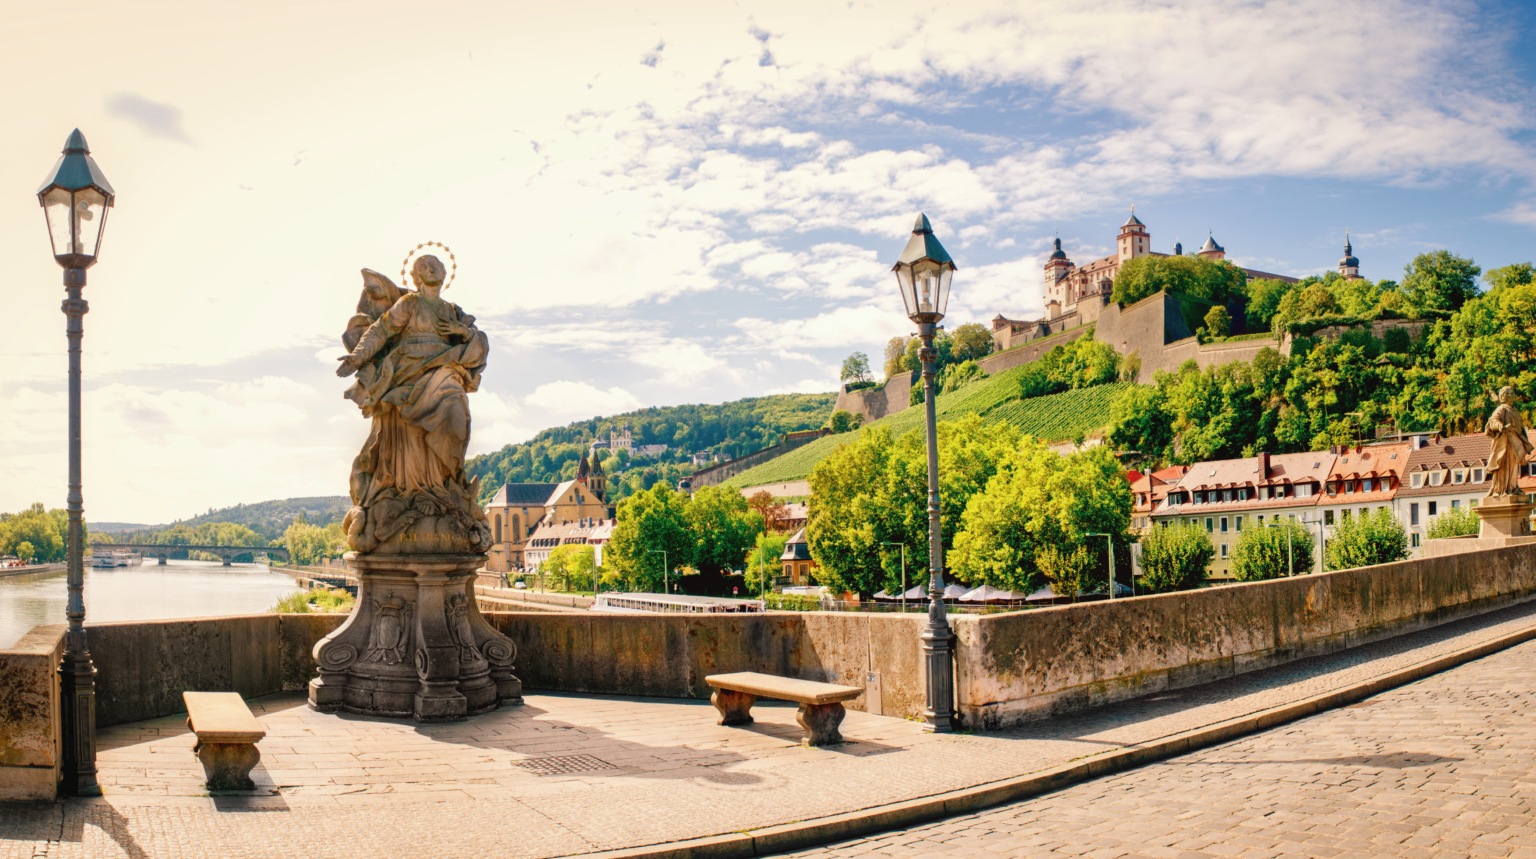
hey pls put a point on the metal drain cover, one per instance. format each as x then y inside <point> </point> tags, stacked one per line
<point>565,765</point>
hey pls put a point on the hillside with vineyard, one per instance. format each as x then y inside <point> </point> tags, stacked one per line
<point>1057,417</point>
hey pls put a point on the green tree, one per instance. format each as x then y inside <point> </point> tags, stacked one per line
<point>1218,323</point>
<point>1195,276</point>
<point>650,522</point>
<point>1440,280</point>
<point>1038,500</point>
<point>25,552</point>
<point>1067,571</point>
<point>1509,276</point>
<point>572,565</point>
<point>761,563</point>
<point>1366,540</point>
<point>855,368</point>
<point>1264,297</point>
<point>896,355</point>
<point>841,421</point>
<point>1455,522</point>
<point>306,543</point>
<point>1175,557</point>
<point>1269,553</point>
<point>972,341</point>
<point>957,376</point>
<point>38,527</point>
<point>722,527</point>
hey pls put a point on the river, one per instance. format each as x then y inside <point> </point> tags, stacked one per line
<point>148,592</point>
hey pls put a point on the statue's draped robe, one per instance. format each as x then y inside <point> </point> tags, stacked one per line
<point>417,395</point>
<point>1510,449</point>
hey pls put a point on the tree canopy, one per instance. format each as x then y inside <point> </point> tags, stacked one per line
<point>1195,276</point>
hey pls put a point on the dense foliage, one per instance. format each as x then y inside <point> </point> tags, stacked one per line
<point>732,429</point>
<point>265,522</point>
<point>44,533</point>
<point>1195,276</point>
<point>1270,553</point>
<point>1455,522</point>
<point>711,532</point>
<point>1364,540</point>
<point>1175,557</point>
<point>1030,524</point>
<point>967,342</point>
<point>1434,376</point>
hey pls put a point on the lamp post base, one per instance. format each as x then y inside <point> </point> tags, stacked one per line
<point>77,695</point>
<point>415,645</point>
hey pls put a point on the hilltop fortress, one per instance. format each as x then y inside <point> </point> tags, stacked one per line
<point>1156,333</point>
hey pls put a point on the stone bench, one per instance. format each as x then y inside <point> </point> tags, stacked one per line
<point>821,709</point>
<point>227,735</point>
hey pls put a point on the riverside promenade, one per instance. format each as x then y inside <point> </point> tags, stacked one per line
<point>570,774</point>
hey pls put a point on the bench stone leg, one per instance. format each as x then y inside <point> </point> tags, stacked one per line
<point>820,722</point>
<point>228,765</point>
<point>735,707</point>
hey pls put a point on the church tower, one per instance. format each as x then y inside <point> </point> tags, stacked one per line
<point>1135,240</point>
<point>597,481</point>
<point>1056,270</point>
<point>1349,266</point>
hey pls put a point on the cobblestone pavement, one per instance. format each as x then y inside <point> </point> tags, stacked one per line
<point>1438,768</point>
<point>342,786</point>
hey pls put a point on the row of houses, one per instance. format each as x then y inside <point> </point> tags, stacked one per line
<point>1418,477</point>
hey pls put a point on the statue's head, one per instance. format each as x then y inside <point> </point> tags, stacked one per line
<point>428,271</point>
<point>1506,394</point>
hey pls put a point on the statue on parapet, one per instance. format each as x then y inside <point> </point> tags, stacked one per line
<point>417,358</point>
<point>1511,447</point>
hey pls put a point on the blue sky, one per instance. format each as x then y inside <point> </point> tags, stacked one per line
<point>681,202</point>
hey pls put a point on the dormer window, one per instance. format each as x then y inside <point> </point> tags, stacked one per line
<point>1436,478</point>
<point>1365,485</point>
<point>1416,480</point>
<point>1333,487</point>
<point>1477,475</point>
<point>1349,486</point>
<point>1458,475</point>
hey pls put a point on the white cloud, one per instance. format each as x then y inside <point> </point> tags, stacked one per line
<point>573,400</point>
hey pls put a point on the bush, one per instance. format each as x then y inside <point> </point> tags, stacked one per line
<point>1175,557</point>
<point>1455,522</point>
<point>791,602</point>
<point>323,600</point>
<point>1066,571</point>
<point>1365,541</point>
<point>1270,553</point>
<point>841,421</point>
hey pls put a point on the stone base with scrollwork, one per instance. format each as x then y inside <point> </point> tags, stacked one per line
<point>415,645</point>
<point>1504,516</point>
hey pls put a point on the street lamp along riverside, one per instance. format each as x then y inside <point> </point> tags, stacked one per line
<point>75,198</point>
<point>923,272</point>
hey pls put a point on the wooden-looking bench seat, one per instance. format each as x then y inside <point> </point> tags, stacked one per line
<point>821,708</point>
<point>227,735</point>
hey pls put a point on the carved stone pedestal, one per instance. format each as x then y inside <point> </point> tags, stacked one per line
<point>416,644</point>
<point>1505,517</point>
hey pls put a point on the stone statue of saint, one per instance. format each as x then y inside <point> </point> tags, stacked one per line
<point>1511,446</point>
<point>417,358</point>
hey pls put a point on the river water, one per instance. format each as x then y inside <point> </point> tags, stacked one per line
<point>148,592</point>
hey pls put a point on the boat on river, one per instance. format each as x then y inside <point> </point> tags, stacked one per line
<point>111,559</point>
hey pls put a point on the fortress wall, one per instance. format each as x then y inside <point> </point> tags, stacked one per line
<point>875,403</point>
<point>718,474</point>
<point>997,362</point>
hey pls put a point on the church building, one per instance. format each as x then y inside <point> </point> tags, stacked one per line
<point>525,515</point>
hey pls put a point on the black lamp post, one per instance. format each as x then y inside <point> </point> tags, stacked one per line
<point>924,270</point>
<point>75,197</point>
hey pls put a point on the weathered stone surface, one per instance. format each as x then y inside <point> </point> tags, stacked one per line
<point>228,765</point>
<point>144,666</point>
<point>821,722</point>
<point>29,713</point>
<point>735,707</point>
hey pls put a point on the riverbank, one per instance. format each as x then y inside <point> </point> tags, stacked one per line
<point>33,570</point>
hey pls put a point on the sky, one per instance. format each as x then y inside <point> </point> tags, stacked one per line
<point>665,203</point>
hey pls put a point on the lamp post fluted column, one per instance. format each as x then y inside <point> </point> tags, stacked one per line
<point>937,638</point>
<point>77,673</point>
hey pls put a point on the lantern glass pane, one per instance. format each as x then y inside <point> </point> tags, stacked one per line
<point>57,205</point>
<point>904,281</point>
<point>926,274</point>
<point>90,216</point>
<point>945,274</point>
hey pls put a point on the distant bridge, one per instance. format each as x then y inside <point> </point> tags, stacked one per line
<point>225,552</point>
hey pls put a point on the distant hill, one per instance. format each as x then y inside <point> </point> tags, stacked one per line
<point>1054,417</point>
<point>269,519</point>
<point>728,429</point>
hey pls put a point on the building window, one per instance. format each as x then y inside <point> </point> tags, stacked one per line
<point>1343,514</point>
<point>1432,506</point>
<point>1305,490</point>
<point>1455,502</point>
<point>1477,475</point>
<point>1333,488</point>
<point>1436,478</point>
<point>1415,537</point>
<point>1223,550</point>
<point>1261,518</point>
<point>1413,516</point>
<point>1210,525</point>
<point>1459,475</point>
<point>1349,486</point>
<point>1416,480</point>
<point>1223,524</point>
<point>1366,485</point>
<point>1239,524</point>
<point>498,527</point>
<point>1327,517</point>
<point>1226,495</point>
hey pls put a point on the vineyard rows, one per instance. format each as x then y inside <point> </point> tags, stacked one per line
<point>1055,417</point>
